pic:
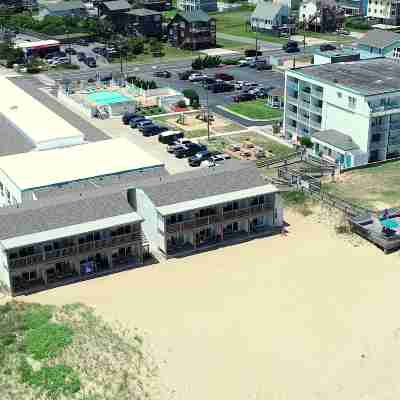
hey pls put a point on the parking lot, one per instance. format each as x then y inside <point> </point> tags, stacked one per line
<point>266,79</point>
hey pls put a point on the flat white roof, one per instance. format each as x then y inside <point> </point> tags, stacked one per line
<point>214,200</point>
<point>34,120</point>
<point>71,230</point>
<point>39,43</point>
<point>37,169</point>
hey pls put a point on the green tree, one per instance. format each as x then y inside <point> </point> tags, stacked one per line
<point>193,97</point>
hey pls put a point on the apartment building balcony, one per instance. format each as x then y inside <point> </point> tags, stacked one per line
<point>317,93</point>
<point>212,219</point>
<point>304,118</point>
<point>315,124</point>
<point>394,125</point>
<point>292,85</point>
<point>292,97</point>
<point>316,109</point>
<point>291,114</point>
<point>395,107</point>
<point>46,256</point>
<point>306,89</point>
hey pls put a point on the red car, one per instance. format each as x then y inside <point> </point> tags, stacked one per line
<point>224,77</point>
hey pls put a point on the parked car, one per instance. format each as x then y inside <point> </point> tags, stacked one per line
<point>127,116</point>
<point>178,143</point>
<point>219,157</point>
<point>90,62</point>
<point>199,157</point>
<point>162,74</point>
<point>81,56</point>
<point>98,50</point>
<point>343,32</point>
<point>327,47</point>
<point>243,63</point>
<point>224,77</point>
<point>83,42</point>
<point>197,77</point>
<point>184,76</point>
<point>143,123</point>
<point>152,130</point>
<point>263,66</point>
<point>291,46</point>
<point>252,53</point>
<point>244,97</point>
<point>169,137</point>
<point>135,120</point>
<point>222,87</point>
<point>70,50</point>
<point>189,150</point>
<point>209,81</point>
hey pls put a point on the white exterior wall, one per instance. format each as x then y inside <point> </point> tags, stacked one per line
<point>319,59</point>
<point>307,11</point>
<point>15,192</point>
<point>278,210</point>
<point>151,223</point>
<point>382,9</point>
<point>4,273</point>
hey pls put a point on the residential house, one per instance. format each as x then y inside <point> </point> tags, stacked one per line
<point>47,243</point>
<point>269,16</point>
<point>320,15</point>
<point>197,5</point>
<point>359,99</point>
<point>155,5</point>
<point>114,11</point>
<point>380,43</point>
<point>143,22</point>
<point>192,30</point>
<point>385,11</point>
<point>71,8</point>
<point>191,211</point>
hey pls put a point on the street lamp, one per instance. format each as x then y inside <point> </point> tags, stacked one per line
<point>208,112</point>
<point>69,47</point>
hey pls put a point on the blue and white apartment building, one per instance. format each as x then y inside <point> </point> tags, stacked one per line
<point>350,110</point>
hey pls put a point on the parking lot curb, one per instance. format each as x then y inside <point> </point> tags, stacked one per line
<point>247,118</point>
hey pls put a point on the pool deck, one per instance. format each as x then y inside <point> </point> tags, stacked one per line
<point>370,228</point>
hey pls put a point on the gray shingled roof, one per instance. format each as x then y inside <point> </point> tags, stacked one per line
<point>366,77</point>
<point>379,38</point>
<point>337,139</point>
<point>142,12</point>
<point>267,10</point>
<point>65,6</point>
<point>194,16</point>
<point>230,176</point>
<point>43,215</point>
<point>116,5</point>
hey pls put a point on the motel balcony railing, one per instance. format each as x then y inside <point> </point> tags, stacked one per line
<point>47,256</point>
<point>212,219</point>
<point>291,114</point>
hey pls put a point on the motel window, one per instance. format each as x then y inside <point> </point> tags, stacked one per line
<point>352,102</point>
<point>329,152</point>
<point>376,137</point>
<point>339,95</point>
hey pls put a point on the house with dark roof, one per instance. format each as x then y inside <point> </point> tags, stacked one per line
<point>192,30</point>
<point>63,9</point>
<point>380,43</point>
<point>132,21</point>
<point>188,212</point>
<point>269,16</point>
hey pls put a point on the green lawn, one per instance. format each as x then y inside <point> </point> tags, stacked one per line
<point>234,23</point>
<point>230,44</point>
<point>375,187</point>
<point>170,53</point>
<point>255,109</point>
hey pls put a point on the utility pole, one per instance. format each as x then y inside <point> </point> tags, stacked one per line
<point>69,47</point>
<point>256,41</point>
<point>208,112</point>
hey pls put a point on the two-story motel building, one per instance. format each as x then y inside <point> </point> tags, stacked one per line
<point>357,102</point>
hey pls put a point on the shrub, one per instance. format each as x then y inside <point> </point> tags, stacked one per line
<point>306,141</point>
<point>230,61</point>
<point>47,340</point>
<point>181,104</point>
<point>197,63</point>
<point>55,380</point>
<point>192,96</point>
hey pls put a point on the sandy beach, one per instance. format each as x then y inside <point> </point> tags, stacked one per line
<point>306,316</point>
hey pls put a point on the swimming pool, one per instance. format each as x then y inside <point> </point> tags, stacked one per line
<point>391,223</point>
<point>107,97</point>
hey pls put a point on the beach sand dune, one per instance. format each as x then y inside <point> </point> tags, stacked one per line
<point>306,316</point>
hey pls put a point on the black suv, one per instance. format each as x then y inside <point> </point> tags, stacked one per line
<point>222,87</point>
<point>152,130</point>
<point>91,62</point>
<point>199,157</point>
<point>327,47</point>
<point>189,150</point>
<point>127,117</point>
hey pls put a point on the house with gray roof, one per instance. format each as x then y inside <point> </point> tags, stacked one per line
<point>269,16</point>
<point>380,43</point>
<point>71,8</point>
<point>51,242</point>
<point>188,212</point>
